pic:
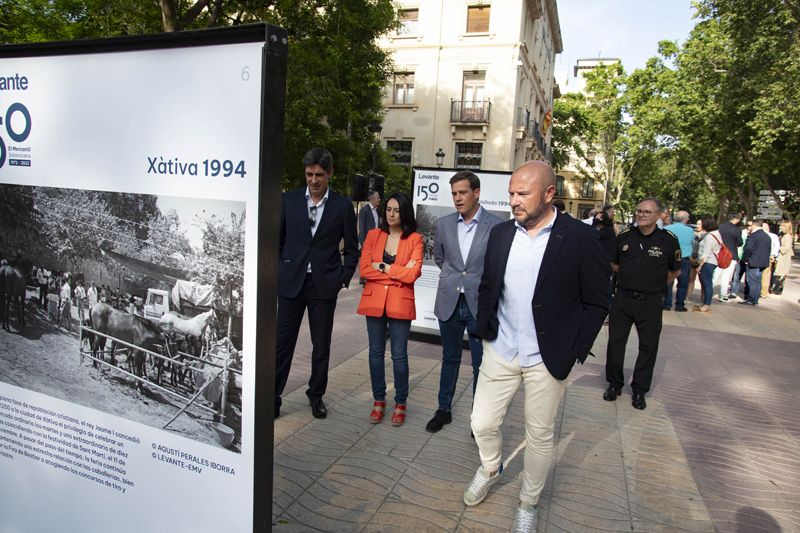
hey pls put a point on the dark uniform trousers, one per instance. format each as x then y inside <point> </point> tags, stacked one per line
<point>644,310</point>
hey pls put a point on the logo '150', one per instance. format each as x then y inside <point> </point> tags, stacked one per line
<point>18,112</point>
<point>427,190</point>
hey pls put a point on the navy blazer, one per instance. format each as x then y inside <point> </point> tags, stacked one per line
<point>571,297</point>
<point>330,269</point>
<point>756,249</point>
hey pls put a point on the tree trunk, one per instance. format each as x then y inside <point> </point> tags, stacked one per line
<point>169,15</point>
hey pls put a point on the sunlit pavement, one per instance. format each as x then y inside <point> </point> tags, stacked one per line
<point>717,449</point>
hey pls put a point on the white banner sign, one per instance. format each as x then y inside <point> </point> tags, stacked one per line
<point>118,167</point>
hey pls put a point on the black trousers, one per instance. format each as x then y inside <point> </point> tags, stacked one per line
<point>645,312</point>
<point>320,325</point>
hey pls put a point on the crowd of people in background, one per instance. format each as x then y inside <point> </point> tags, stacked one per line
<point>761,255</point>
<point>61,291</point>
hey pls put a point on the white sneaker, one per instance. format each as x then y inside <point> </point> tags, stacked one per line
<point>526,519</point>
<point>478,488</point>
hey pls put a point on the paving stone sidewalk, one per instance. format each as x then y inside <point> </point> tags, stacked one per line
<point>717,449</point>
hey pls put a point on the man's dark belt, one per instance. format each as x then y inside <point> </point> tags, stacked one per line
<point>638,295</point>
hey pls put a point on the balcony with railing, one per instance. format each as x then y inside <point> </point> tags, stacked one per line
<point>470,111</point>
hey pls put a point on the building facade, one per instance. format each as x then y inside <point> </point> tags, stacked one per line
<point>473,82</point>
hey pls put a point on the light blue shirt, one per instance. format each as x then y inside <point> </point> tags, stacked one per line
<point>466,233</point>
<point>320,208</point>
<point>685,235</point>
<point>516,334</point>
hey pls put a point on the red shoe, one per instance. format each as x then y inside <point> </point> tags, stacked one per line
<point>376,416</point>
<point>399,415</point>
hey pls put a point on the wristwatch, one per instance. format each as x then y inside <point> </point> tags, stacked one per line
<point>382,267</point>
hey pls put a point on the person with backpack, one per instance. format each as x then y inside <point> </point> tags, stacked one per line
<point>711,246</point>
<point>731,234</point>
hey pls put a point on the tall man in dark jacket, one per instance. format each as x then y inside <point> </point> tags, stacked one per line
<point>732,238</point>
<point>311,272</point>
<point>542,300</point>
<point>755,256</point>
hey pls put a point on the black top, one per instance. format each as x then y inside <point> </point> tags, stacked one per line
<point>731,237</point>
<point>388,258</point>
<point>644,260</point>
<point>608,240</point>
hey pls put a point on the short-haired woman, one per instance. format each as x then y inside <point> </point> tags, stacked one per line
<point>391,261</point>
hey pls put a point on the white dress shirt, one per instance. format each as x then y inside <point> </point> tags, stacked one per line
<point>516,334</point>
<point>320,208</point>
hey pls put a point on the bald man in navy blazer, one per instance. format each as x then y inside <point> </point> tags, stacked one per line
<point>542,299</point>
<point>312,271</point>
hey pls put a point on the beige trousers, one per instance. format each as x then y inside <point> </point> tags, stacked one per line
<point>766,279</point>
<point>497,383</point>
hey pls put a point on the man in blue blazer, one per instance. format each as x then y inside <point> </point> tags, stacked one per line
<point>458,248</point>
<point>312,271</point>
<point>542,300</point>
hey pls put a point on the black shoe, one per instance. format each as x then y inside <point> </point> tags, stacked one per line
<point>638,401</point>
<point>277,412</point>
<point>747,302</point>
<point>667,308</point>
<point>318,408</point>
<point>681,309</point>
<point>439,420</point>
<point>471,435</point>
<point>611,393</point>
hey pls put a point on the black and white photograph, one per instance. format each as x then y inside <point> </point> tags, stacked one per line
<point>426,225</point>
<point>127,303</point>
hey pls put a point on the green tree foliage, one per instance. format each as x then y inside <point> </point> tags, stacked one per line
<point>721,106</point>
<point>23,21</point>
<point>704,125</point>
<point>590,127</point>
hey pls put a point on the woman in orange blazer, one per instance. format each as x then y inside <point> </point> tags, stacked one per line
<point>391,261</point>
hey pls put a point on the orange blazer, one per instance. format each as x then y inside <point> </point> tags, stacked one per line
<point>391,293</point>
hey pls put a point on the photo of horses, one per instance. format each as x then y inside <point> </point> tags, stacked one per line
<point>130,304</point>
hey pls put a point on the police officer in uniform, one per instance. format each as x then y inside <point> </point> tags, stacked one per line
<point>645,258</point>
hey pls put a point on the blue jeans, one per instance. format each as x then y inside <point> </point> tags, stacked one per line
<point>737,277</point>
<point>398,335</point>
<point>753,279</point>
<point>707,282</point>
<point>683,285</point>
<point>452,337</point>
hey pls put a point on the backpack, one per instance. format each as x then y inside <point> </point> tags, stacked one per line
<point>724,256</point>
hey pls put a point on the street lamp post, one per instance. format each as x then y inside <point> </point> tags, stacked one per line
<point>439,157</point>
